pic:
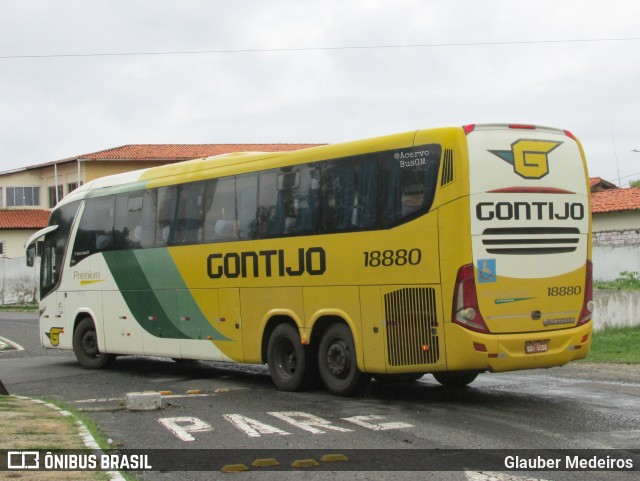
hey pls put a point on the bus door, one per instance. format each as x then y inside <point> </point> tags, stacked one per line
<point>122,332</point>
<point>208,333</point>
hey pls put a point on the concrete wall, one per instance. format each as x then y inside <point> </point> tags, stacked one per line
<point>14,241</point>
<point>616,244</point>
<point>608,221</point>
<point>616,308</point>
<point>610,261</point>
<point>18,283</point>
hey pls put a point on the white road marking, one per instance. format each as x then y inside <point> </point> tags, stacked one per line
<point>496,476</point>
<point>14,345</point>
<point>252,427</point>
<point>182,427</point>
<point>308,422</point>
<point>102,400</point>
<point>363,421</point>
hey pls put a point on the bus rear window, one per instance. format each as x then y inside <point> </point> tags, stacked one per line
<point>410,182</point>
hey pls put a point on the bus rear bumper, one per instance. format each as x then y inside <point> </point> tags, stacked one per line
<point>468,350</point>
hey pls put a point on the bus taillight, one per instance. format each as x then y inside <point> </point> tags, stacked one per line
<point>587,306</point>
<point>465,301</point>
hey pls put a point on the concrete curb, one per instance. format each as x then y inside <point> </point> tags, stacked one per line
<point>9,345</point>
<point>87,438</point>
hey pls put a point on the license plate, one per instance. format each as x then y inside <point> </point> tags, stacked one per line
<point>533,347</point>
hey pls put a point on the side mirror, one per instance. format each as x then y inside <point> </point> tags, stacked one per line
<point>31,254</point>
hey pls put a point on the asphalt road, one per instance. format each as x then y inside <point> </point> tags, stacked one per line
<point>578,406</point>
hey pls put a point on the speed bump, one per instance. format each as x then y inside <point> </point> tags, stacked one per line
<point>332,458</point>
<point>265,462</point>
<point>305,463</point>
<point>234,468</point>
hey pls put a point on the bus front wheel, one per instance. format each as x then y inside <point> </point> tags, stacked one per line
<point>85,346</point>
<point>455,379</point>
<point>337,362</point>
<point>287,358</point>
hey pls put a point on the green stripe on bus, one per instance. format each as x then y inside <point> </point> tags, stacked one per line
<point>148,280</point>
<point>117,189</point>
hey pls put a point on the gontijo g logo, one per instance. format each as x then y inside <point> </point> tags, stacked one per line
<point>529,157</point>
<point>54,335</point>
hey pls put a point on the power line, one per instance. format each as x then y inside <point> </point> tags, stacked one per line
<point>630,175</point>
<point>315,49</point>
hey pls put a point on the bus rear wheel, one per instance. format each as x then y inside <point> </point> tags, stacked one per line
<point>337,362</point>
<point>287,358</point>
<point>455,379</point>
<point>85,346</point>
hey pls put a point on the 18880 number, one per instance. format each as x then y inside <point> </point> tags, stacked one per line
<point>400,257</point>
<point>564,291</point>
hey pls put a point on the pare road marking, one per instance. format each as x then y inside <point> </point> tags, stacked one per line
<point>184,427</point>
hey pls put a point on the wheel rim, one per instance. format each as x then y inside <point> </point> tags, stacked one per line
<point>287,359</point>
<point>339,359</point>
<point>90,344</point>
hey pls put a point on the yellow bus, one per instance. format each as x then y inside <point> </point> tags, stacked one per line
<point>449,251</point>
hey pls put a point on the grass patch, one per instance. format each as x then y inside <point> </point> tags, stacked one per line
<point>93,428</point>
<point>616,344</point>
<point>19,308</point>
<point>626,280</point>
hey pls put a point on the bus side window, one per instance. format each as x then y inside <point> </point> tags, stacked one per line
<point>410,185</point>
<point>128,220</point>
<point>95,231</point>
<point>306,204</point>
<point>167,204</point>
<point>188,224</point>
<point>349,194</point>
<point>148,229</point>
<point>267,201</point>
<point>247,204</point>
<point>220,216</point>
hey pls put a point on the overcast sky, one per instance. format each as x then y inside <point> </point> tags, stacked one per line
<point>511,69</point>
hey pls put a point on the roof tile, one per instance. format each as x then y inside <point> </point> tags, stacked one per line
<point>615,200</point>
<point>24,218</point>
<point>184,151</point>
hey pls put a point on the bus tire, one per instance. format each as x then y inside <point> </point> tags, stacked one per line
<point>455,378</point>
<point>85,346</point>
<point>287,358</point>
<point>337,362</point>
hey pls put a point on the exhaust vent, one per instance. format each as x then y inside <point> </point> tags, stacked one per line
<point>531,240</point>
<point>412,337</point>
<point>447,167</point>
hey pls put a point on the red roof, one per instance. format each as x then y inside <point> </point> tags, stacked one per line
<point>183,151</point>
<point>615,200</point>
<point>170,152</point>
<point>24,219</point>
<point>597,184</point>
